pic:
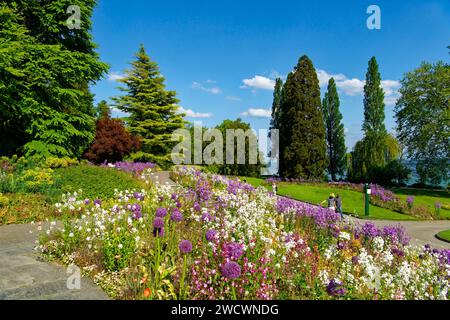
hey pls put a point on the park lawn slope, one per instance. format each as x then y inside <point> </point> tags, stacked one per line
<point>352,201</point>
<point>427,198</point>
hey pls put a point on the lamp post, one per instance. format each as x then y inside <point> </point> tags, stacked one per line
<point>367,192</point>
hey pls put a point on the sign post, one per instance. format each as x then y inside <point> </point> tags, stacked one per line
<point>367,193</point>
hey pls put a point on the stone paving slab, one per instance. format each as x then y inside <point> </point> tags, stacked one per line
<point>23,276</point>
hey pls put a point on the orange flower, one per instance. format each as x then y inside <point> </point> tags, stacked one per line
<point>147,292</point>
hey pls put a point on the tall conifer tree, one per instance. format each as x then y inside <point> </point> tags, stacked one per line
<point>302,131</point>
<point>276,104</point>
<point>335,136</point>
<point>154,113</point>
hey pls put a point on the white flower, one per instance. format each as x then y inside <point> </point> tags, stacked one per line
<point>344,235</point>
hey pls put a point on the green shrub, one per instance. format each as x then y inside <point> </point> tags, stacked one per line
<point>36,179</point>
<point>96,182</point>
<point>4,201</point>
<point>54,162</point>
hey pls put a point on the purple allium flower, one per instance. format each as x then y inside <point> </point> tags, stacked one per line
<point>176,216</point>
<point>231,270</point>
<point>158,232</point>
<point>355,259</point>
<point>158,223</point>
<point>335,288</point>
<point>136,207</point>
<point>178,204</point>
<point>410,201</point>
<point>87,201</point>
<point>138,196</point>
<point>210,235</point>
<point>197,206</point>
<point>185,246</point>
<point>174,196</point>
<point>206,217</point>
<point>437,205</point>
<point>161,212</point>
<point>397,252</point>
<point>340,245</point>
<point>136,215</point>
<point>233,250</point>
<point>98,202</point>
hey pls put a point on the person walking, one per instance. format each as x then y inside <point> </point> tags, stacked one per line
<point>331,202</point>
<point>338,202</point>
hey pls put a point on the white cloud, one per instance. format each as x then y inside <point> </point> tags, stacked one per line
<point>115,76</point>
<point>213,90</point>
<point>191,114</point>
<point>355,86</point>
<point>324,77</point>
<point>351,87</point>
<point>233,98</point>
<point>259,82</point>
<point>257,113</point>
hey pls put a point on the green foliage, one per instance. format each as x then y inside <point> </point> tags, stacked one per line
<point>335,136</point>
<point>372,151</point>
<point>95,182</point>
<point>373,100</point>
<point>423,126</point>
<point>45,72</point>
<point>4,201</point>
<point>276,105</point>
<point>103,110</point>
<point>394,173</point>
<point>54,162</point>
<point>247,169</point>
<point>36,179</point>
<point>154,114</point>
<point>302,131</point>
<point>365,163</point>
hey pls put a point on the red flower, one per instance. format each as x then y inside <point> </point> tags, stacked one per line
<point>147,293</point>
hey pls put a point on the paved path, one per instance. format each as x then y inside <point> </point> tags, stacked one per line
<point>163,177</point>
<point>421,232</point>
<point>24,277</point>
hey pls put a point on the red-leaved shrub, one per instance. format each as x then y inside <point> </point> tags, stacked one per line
<point>112,142</point>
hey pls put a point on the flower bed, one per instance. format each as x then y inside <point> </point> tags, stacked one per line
<point>215,238</point>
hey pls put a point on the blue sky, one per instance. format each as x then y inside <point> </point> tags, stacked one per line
<point>221,57</point>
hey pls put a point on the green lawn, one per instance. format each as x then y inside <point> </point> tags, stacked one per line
<point>352,201</point>
<point>426,197</point>
<point>444,235</point>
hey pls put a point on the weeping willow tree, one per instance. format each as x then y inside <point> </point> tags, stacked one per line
<point>363,160</point>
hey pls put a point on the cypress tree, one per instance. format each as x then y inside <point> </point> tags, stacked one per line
<point>334,128</point>
<point>276,104</point>
<point>373,125</point>
<point>153,110</point>
<point>373,101</point>
<point>302,131</point>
